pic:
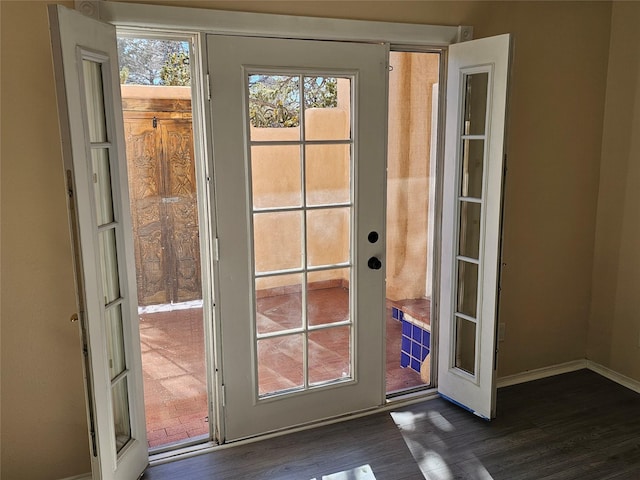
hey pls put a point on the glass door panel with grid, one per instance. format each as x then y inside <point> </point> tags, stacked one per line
<point>301,242</point>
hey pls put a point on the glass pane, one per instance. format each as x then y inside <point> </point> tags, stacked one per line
<point>278,303</point>
<point>275,176</point>
<point>329,354</point>
<point>472,167</point>
<point>274,102</point>
<point>465,356</point>
<point>469,245</point>
<point>95,101</point>
<point>154,62</point>
<point>121,421</point>
<point>467,288</point>
<point>115,341</point>
<point>102,185</point>
<point>328,174</point>
<point>328,296</point>
<point>328,236</point>
<point>277,241</point>
<point>280,364</point>
<point>327,102</point>
<point>109,265</point>
<point>475,103</point>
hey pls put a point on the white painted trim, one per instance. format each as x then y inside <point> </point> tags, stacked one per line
<point>210,447</point>
<point>614,376</point>
<point>88,8</point>
<point>567,367</point>
<point>284,26</point>
<point>82,476</point>
<point>543,372</point>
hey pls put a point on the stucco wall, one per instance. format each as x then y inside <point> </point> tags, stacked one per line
<point>408,162</point>
<point>555,130</point>
<point>614,326</point>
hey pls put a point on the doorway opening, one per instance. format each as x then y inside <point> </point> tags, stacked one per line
<point>155,77</point>
<point>411,217</point>
<point>158,118</point>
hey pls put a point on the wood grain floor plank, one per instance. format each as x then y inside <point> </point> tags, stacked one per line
<point>576,426</point>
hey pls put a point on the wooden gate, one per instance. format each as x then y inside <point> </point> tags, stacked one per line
<point>162,186</point>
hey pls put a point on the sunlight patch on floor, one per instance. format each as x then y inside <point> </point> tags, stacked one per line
<point>169,307</point>
<point>362,472</point>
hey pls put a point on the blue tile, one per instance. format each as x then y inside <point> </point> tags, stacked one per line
<point>404,360</point>
<point>406,344</point>
<point>416,333</point>
<point>426,338</point>
<point>406,328</point>
<point>425,352</point>
<point>394,313</point>
<point>416,350</point>
<point>415,365</point>
<point>401,315</point>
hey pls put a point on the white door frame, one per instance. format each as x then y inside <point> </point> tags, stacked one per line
<point>204,21</point>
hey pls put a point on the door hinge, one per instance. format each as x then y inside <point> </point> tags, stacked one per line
<point>216,249</point>
<point>208,87</point>
<point>69,183</point>
<point>94,445</point>
<point>155,122</point>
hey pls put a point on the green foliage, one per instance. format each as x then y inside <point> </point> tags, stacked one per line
<point>124,74</point>
<point>145,61</point>
<point>320,92</point>
<point>274,100</point>
<point>175,70</point>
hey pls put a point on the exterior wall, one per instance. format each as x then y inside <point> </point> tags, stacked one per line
<point>410,92</point>
<point>560,62</point>
<point>276,181</point>
<point>614,323</point>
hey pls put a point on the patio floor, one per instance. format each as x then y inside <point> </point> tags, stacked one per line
<point>175,375</point>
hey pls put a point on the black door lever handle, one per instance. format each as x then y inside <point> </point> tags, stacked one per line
<point>374,263</point>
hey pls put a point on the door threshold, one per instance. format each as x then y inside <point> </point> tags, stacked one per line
<point>211,446</point>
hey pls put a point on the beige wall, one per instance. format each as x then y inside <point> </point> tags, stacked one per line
<point>614,327</point>
<point>44,433</point>
<point>555,131</point>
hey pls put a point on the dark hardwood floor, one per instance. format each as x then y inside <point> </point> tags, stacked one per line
<point>573,426</point>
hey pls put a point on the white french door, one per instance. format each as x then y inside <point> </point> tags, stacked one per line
<point>471,226</point>
<point>300,223</point>
<point>86,66</point>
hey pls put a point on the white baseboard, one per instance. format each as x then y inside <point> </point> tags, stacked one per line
<point>544,372</point>
<point>552,370</point>
<point>84,476</point>
<point>614,376</point>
